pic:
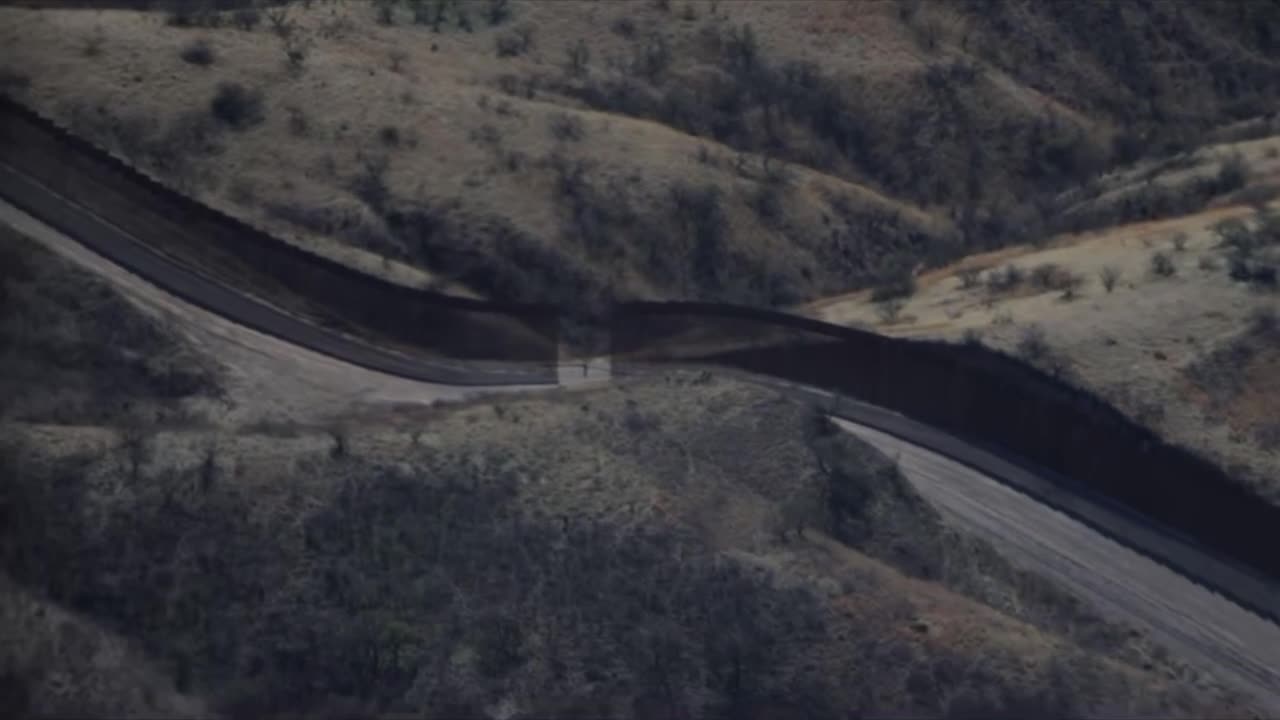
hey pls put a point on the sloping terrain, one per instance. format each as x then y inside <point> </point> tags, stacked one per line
<point>71,349</point>
<point>753,152</point>
<point>1171,321</point>
<point>674,546</point>
<point>659,571</point>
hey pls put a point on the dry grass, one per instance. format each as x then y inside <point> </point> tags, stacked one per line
<point>1136,343</point>
<point>72,350</point>
<point>617,503</point>
<point>419,147</point>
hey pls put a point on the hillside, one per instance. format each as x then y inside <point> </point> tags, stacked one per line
<point>678,546</point>
<point>378,570</point>
<point>1173,321</point>
<point>758,152</point>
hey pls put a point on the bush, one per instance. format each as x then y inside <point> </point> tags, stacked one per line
<point>397,58</point>
<point>199,53</point>
<point>1045,276</point>
<point>653,58</point>
<point>247,18</point>
<point>389,135</point>
<point>1109,276</point>
<point>1162,265</point>
<point>514,43</point>
<point>566,127</point>
<point>298,124</point>
<point>370,185</point>
<point>1033,345</point>
<point>281,23</point>
<point>577,56</point>
<point>386,11</point>
<point>237,106</point>
<point>1233,233</point>
<point>624,27</point>
<point>1006,280</point>
<point>1233,173</point>
<point>898,283</point>
<point>498,12</point>
<point>969,277</point>
<point>1260,274</point>
<point>93,44</point>
<point>890,311</point>
<point>1070,285</point>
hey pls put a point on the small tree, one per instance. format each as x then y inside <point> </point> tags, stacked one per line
<point>578,55</point>
<point>1110,276</point>
<point>247,18</point>
<point>1234,233</point>
<point>890,311</point>
<point>498,12</point>
<point>969,277</point>
<point>1070,284</point>
<point>386,11</point>
<point>1162,265</point>
<point>566,127</point>
<point>281,23</point>
<point>237,106</point>
<point>295,55</point>
<point>1033,346</point>
<point>198,53</point>
<point>93,43</point>
<point>1180,242</point>
<point>1232,173</point>
<point>398,58</point>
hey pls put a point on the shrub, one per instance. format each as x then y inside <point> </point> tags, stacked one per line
<point>890,311</point>
<point>386,11</point>
<point>295,55</point>
<point>199,53</point>
<point>577,55</point>
<point>624,27</point>
<point>1000,281</point>
<point>766,201</point>
<point>281,23</point>
<point>1232,174</point>
<point>1109,276</point>
<point>566,127</point>
<point>247,18</point>
<point>298,125</point>
<point>1162,265</point>
<point>1045,276</point>
<point>237,106</point>
<point>969,277</point>
<point>1234,233</point>
<point>93,44</point>
<point>1260,274</point>
<point>899,282</point>
<point>1033,345</point>
<point>1070,285</point>
<point>1264,321</point>
<point>389,135</point>
<point>653,58</point>
<point>1180,242</point>
<point>370,185</point>
<point>398,58</point>
<point>516,42</point>
<point>498,12</point>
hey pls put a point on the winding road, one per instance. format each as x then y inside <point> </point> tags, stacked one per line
<point>1028,516</point>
